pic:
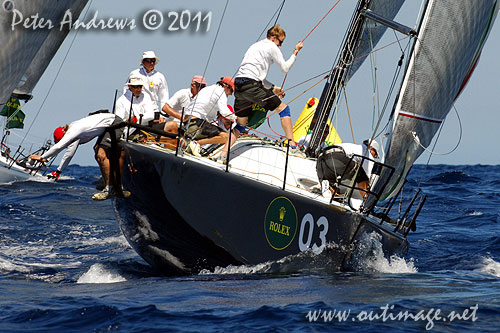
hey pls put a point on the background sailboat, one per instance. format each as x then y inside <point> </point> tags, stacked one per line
<point>24,56</point>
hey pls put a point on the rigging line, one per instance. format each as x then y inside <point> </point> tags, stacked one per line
<point>429,159</point>
<point>279,13</point>
<point>210,55</point>
<point>310,32</point>
<point>215,39</point>
<point>55,78</point>
<point>349,115</point>
<point>399,44</point>
<point>391,88</point>
<point>274,111</point>
<point>417,140</point>
<point>384,109</point>
<point>267,25</point>
<point>376,91</point>
<point>329,72</point>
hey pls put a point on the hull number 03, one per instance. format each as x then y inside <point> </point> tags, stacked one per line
<point>306,233</point>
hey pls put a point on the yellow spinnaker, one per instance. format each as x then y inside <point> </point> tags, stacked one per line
<point>301,126</point>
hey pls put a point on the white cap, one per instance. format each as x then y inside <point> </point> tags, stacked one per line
<point>150,55</point>
<point>135,80</point>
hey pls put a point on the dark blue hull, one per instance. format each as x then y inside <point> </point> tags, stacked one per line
<point>184,216</point>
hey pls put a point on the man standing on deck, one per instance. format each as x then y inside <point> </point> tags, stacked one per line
<point>155,84</point>
<point>80,132</point>
<point>251,86</point>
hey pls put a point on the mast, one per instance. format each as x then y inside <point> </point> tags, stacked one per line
<point>362,35</point>
<point>336,79</point>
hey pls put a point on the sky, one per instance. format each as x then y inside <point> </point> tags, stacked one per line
<point>95,63</point>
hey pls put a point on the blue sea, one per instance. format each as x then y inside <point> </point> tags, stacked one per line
<point>65,267</point>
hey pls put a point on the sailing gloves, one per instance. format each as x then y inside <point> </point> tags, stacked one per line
<point>54,175</point>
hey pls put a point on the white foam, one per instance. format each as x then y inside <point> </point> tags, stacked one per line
<point>474,213</point>
<point>369,257</point>
<point>490,266</point>
<point>8,266</point>
<point>120,240</point>
<point>97,273</point>
<point>243,269</point>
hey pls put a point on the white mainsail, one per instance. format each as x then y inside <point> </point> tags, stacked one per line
<point>449,43</point>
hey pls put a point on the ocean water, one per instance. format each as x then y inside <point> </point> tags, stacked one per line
<point>65,267</point>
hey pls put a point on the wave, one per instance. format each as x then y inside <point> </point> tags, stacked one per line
<point>452,177</point>
<point>489,266</point>
<point>368,257</point>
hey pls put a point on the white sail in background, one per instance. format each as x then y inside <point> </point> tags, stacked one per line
<point>47,52</point>
<point>449,43</point>
<point>19,46</point>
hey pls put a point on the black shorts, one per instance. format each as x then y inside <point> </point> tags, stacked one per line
<point>248,92</point>
<point>105,138</point>
<point>201,129</point>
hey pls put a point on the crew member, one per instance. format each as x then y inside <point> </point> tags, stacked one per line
<point>251,84</point>
<point>365,172</point>
<point>155,84</point>
<point>143,111</point>
<point>80,132</point>
<point>181,99</point>
<point>204,109</point>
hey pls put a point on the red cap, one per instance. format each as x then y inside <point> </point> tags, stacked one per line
<point>58,134</point>
<point>228,80</point>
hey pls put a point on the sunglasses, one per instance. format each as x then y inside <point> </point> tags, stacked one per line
<point>280,41</point>
<point>150,60</point>
<point>135,87</point>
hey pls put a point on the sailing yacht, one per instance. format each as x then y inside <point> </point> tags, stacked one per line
<point>188,213</point>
